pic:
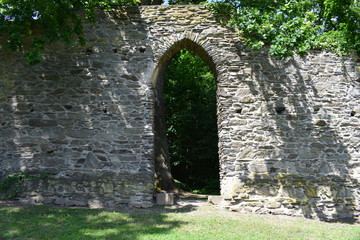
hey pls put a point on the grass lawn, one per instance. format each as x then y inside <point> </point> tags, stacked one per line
<point>190,222</point>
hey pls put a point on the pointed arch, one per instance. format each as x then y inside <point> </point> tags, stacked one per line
<point>166,57</point>
<point>163,176</point>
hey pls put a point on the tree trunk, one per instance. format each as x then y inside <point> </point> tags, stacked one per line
<point>163,175</point>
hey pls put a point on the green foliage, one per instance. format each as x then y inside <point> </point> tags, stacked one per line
<point>27,26</point>
<point>190,102</point>
<point>211,187</point>
<point>12,185</point>
<point>186,2</point>
<point>287,26</point>
<point>294,26</point>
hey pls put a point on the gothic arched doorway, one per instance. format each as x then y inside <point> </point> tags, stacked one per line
<point>185,121</point>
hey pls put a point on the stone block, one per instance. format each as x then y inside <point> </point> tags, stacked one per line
<point>215,199</point>
<point>42,123</point>
<point>271,204</point>
<point>164,198</point>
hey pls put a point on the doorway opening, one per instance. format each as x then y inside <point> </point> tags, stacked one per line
<point>189,95</point>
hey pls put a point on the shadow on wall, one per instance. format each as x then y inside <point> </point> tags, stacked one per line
<point>306,124</point>
<point>82,116</point>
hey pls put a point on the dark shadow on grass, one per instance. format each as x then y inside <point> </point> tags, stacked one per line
<point>48,222</point>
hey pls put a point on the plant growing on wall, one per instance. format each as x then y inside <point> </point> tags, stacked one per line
<point>13,185</point>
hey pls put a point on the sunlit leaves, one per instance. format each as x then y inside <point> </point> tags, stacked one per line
<point>295,26</point>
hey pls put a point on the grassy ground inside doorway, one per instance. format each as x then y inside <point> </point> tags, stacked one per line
<point>188,222</point>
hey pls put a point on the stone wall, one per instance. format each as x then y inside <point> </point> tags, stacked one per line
<point>291,144</point>
<point>84,115</point>
<point>289,131</point>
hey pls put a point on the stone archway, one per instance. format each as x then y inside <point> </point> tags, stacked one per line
<point>164,179</point>
<point>288,129</point>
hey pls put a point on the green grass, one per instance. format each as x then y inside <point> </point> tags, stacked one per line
<point>44,222</point>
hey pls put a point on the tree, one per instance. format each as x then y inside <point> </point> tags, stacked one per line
<point>286,26</point>
<point>28,25</point>
<point>294,26</point>
<point>190,109</point>
<point>186,2</point>
<point>151,2</point>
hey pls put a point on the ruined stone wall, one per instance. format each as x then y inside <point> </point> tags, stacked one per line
<point>84,116</point>
<point>292,139</point>
<point>288,130</point>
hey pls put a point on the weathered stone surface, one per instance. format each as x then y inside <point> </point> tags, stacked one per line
<point>42,123</point>
<point>216,200</point>
<point>288,129</point>
<point>164,198</point>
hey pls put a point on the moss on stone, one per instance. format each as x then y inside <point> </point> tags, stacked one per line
<point>311,191</point>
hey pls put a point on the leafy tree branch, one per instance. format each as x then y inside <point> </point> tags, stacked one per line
<point>27,25</point>
<point>294,26</point>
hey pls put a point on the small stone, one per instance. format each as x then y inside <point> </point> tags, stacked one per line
<point>272,204</point>
<point>320,122</point>
<point>215,199</point>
